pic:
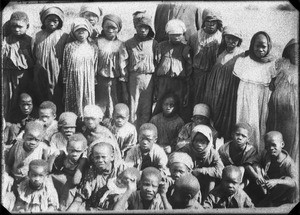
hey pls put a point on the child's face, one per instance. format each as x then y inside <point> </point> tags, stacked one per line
<point>51,22</point>
<point>142,30</point>
<point>37,176</point>
<point>231,42</point>
<point>175,38</point>
<point>120,117</point>
<point>110,30</point>
<point>210,26</point>
<point>200,142</point>
<point>46,116</point>
<point>274,146</point>
<point>146,140</point>
<point>93,18</point>
<point>260,46</point>
<point>26,106</point>
<point>200,120</point>
<point>75,150</point>
<point>92,122</point>
<point>32,138</point>
<point>231,183</point>
<point>68,131</point>
<point>149,187</point>
<point>178,169</point>
<point>18,27</point>
<point>240,137</point>
<point>168,106</point>
<point>102,157</point>
<point>81,34</point>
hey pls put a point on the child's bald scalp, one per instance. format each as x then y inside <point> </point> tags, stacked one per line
<point>187,185</point>
<point>232,172</point>
<point>149,126</point>
<point>151,171</point>
<point>39,163</point>
<point>121,107</point>
<point>103,145</point>
<point>34,126</point>
<point>24,97</point>
<point>275,135</point>
<point>78,137</point>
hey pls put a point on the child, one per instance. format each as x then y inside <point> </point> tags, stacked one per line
<point>26,150</point>
<point>108,89</point>
<point>277,172</point>
<point>48,47</point>
<point>67,168</point>
<point>255,72</point>
<point>207,162</point>
<point>148,197</point>
<point>17,61</point>
<point>201,116</point>
<point>66,127</point>
<point>47,115</point>
<point>229,193</point>
<point>221,89</point>
<point>147,153</point>
<point>137,61</point>
<point>284,101</point>
<point>186,193</point>
<point>93,14</point>
<point>36,193</point>
<point>168,122</point>
<point>8,197</point>
<point>204,46</point>
<point>123,130</point>
<point>21,118</point>
<point>174,66</point>
<point>104,164</point>
<point>79,70</point>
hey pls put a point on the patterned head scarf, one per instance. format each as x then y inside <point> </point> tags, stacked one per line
<point>209,14</point>
<point>230,30</point>
<point>51,10</point>
<point>268,57</point>
<point>142,18</point>
<point>80,23</point>
<point>90,8</point>
<point>114,18</point>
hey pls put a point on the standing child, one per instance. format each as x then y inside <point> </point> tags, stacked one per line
<point>79,70</point>
<point>124,131</point>
<point>205,44</point>
<point>138,63</point>
<point>17,61</point>
<point>108,89</point>
<point>37,193</point>
<point>174,66</point>
<point>168,123</point>
<point>93,14</point>
<point>255,72</point>
<point>284,101</point>
<point>48,47</point>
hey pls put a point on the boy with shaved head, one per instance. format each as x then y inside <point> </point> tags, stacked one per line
<point>276,172</point>
<point>229,193</point>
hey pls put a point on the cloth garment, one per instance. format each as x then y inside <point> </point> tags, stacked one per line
<point>134,202</point>
<point>49,131</point>
<point>253,96</point>
<point>8,197</point>
<point>114,18</point>
<point>91,8</point>
<point>181,157</point>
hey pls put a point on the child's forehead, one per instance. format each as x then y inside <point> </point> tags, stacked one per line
<point>169,99</point>
<point>18,22</point>
<point>52,17</point>
<point>75,144</point>
<point>46,111</point>
<point>121,112</point>
<point>178,166</point>
<point>89,13</point>
<point>38,169</point>
<point>109,23</point>
<point>242,130</point>
<point>152,177</point>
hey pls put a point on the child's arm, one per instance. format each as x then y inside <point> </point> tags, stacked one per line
<point>79,170</point>
<point>163,189</point>
<point>121,203</point>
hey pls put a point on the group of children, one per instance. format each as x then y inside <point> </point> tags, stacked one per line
<point>112,149</point>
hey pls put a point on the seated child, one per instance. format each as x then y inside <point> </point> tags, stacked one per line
<point>168,122</point>
<point>47,115</point>
<point>229,194</point>
<point>124,131</point>
<point>147,153</point>
<point>208,165</point>
<point>201,116</point>
<point>37,193</point>
<point>147,198</point>
<point>8,197</point>
<point>186,193</point>
<point>20,118</point>
<point>277,172</point>
<point>24,151</point>
<point>67,168</point>
<point>66,127</point>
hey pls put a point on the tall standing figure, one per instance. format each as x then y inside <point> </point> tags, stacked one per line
<point>79,69</point>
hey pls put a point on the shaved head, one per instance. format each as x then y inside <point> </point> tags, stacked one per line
<point>272,135</point>
<point>232,172</point>
<point>25,97</point>
<point>121,107</point>
<point>187,185</point>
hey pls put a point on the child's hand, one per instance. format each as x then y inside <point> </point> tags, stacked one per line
<point>163,187</point>
<point>271,183</point>
<point>197,172</point>
<point>260,180</point>
<point>167,149</point>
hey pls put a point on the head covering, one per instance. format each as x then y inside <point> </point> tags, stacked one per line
<point>92,111</point>
<point>49,10</point>
<point>207,132</point>
<point>250,52</point>
<point>19,15</point>
<point>80,23</point>
<point>175,26</point>
<point>90,8</point>
<point>292,42</point>
<point>67,119</point>
<point>230,30</point>
<point>181,157</point>
<point>143,18</point>
<point>114,18</point>
<point>202,109</point>
<point>209,14</point>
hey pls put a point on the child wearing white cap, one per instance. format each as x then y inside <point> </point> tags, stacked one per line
<point>174,65</point>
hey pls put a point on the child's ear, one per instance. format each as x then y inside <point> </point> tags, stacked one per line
<point>27,25</point>
<point>189,196</point>
<point>282,144</point>
<point>54,115</point>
